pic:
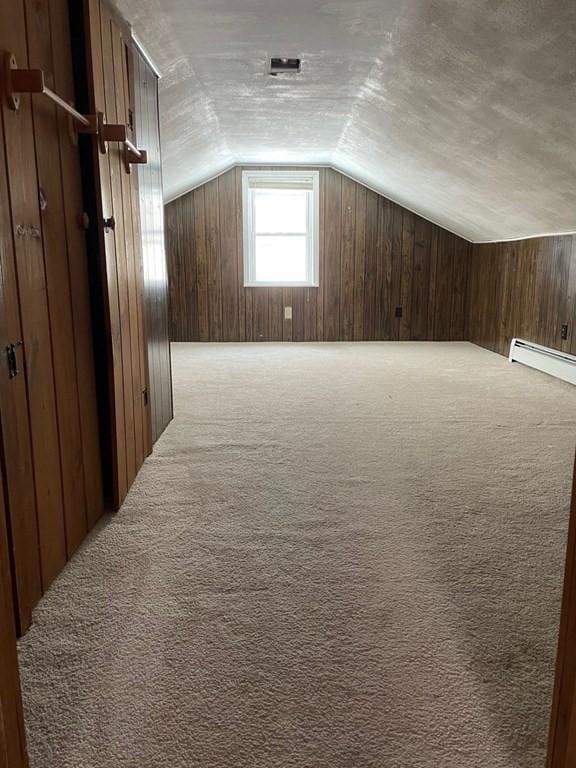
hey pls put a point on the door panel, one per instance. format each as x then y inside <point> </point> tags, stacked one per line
<point>117,198</point>
<point>50,429</point>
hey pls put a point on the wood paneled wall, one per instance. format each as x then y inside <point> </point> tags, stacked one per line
<point>119,249</point>
<point>12,736</point>
<point>153,250</point>
<point>562,743</point>
<point>48,411</point>
<point>524,289</point>
<point>374,257</point>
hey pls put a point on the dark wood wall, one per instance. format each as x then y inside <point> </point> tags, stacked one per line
<point>12,736</point>
<point>48,411</point>
<point>120,253</point>
<point>153,250</point>
<point>562,743</point>
<point>375,257</point>
<point>524,289</point>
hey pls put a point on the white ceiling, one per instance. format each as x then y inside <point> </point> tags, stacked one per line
<point>462,110</point>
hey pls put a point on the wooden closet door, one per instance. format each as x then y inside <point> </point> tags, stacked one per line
<point>36,351</point>
<point>117,202</point>
<point>562,743</point>
<point>146,115</point>
<point>50,429</point>
<point>14,421</point>
<point>12,738</point>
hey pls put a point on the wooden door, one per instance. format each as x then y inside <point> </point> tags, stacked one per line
<point>50,428</point>
<point>12,738</point>
<point>117,204</point>
<point>562,746</point>
<point>15,423</point>
<point>153,249</point>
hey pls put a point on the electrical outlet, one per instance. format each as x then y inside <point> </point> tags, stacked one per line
<point>564,332</point>
<point>398,312</point>
<point>287,313</point>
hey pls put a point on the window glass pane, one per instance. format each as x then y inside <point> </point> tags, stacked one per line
<point>281,259</point>
<point>281,210</point>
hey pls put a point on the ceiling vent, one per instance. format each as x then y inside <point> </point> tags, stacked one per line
<point>283,65</point>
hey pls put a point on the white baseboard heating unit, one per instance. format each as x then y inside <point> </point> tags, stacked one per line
<point>551,361</point>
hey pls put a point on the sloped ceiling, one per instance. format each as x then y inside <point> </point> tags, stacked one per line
<point>462,110</point>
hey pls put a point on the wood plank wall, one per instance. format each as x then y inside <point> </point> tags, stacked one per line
<point>562,743</point>
<point>12,735</point>
<point>117,198</point>
<point>524,289</point>
<point>374,257</point>
<point>49,410</point>
<point>153,250</point>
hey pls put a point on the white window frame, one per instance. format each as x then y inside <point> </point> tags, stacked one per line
<point>249,219</point>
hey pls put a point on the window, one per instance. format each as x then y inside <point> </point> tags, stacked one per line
<point>280,228</point>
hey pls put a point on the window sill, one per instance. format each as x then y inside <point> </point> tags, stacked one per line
<point>280,285</point>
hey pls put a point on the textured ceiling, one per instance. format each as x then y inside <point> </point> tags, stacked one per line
<point>462,110</point>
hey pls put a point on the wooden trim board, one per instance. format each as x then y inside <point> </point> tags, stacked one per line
<point>562,744</point>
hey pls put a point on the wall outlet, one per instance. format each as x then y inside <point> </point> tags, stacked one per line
<point>287,313</point>
<point>564,331</point>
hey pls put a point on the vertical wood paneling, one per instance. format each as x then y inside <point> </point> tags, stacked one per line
<point>385,261</point>
<point>287,326</point>
<point>33,295</point>
<point>562,741</point>
<point>396,279</point>
<point>375,257</point>
<point>359,261</point>
<point>260,314</point>
<point>150,198</point>
<point>213,263</point>
<point>239,253</point>
<point>228,256</point>
<point>444,286</point>
<point>122,274</point>
<point>459,319</point>
<point>569,345</point>
<point>348,216</point>
<point>421,280</point>
<point>155,275</point>
<point>138,377</point>
<point>408,227</point>
<point>319,293</point>
<point>332,255</point>
<point>73,208</point>
<point>370,266</point>
<point>275,314</point>
<point>12,735</point>
<point>15,422</point>
<point>525,289</point>
<point>432,282</point>
<point>121,235</point>
<point>50,432</point>
<point>118,482</point>
<point>56,260</point>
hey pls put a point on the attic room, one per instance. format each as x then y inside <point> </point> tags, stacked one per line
<point>287,396</point>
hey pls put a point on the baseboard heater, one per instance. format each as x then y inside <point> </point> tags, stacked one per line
<point>551,361</point>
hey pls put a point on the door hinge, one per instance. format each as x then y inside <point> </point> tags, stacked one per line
<point>12,359</point>
<point>145,395</point>
<point>109,224</point>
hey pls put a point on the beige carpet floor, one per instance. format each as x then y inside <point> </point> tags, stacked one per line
<point>339,556</point>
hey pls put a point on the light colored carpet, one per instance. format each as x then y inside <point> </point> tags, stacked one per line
<point>339,556</point>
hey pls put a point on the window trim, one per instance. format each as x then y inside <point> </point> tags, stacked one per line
<point>249,238</point>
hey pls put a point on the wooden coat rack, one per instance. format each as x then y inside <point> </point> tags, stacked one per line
<point>18,81</point>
